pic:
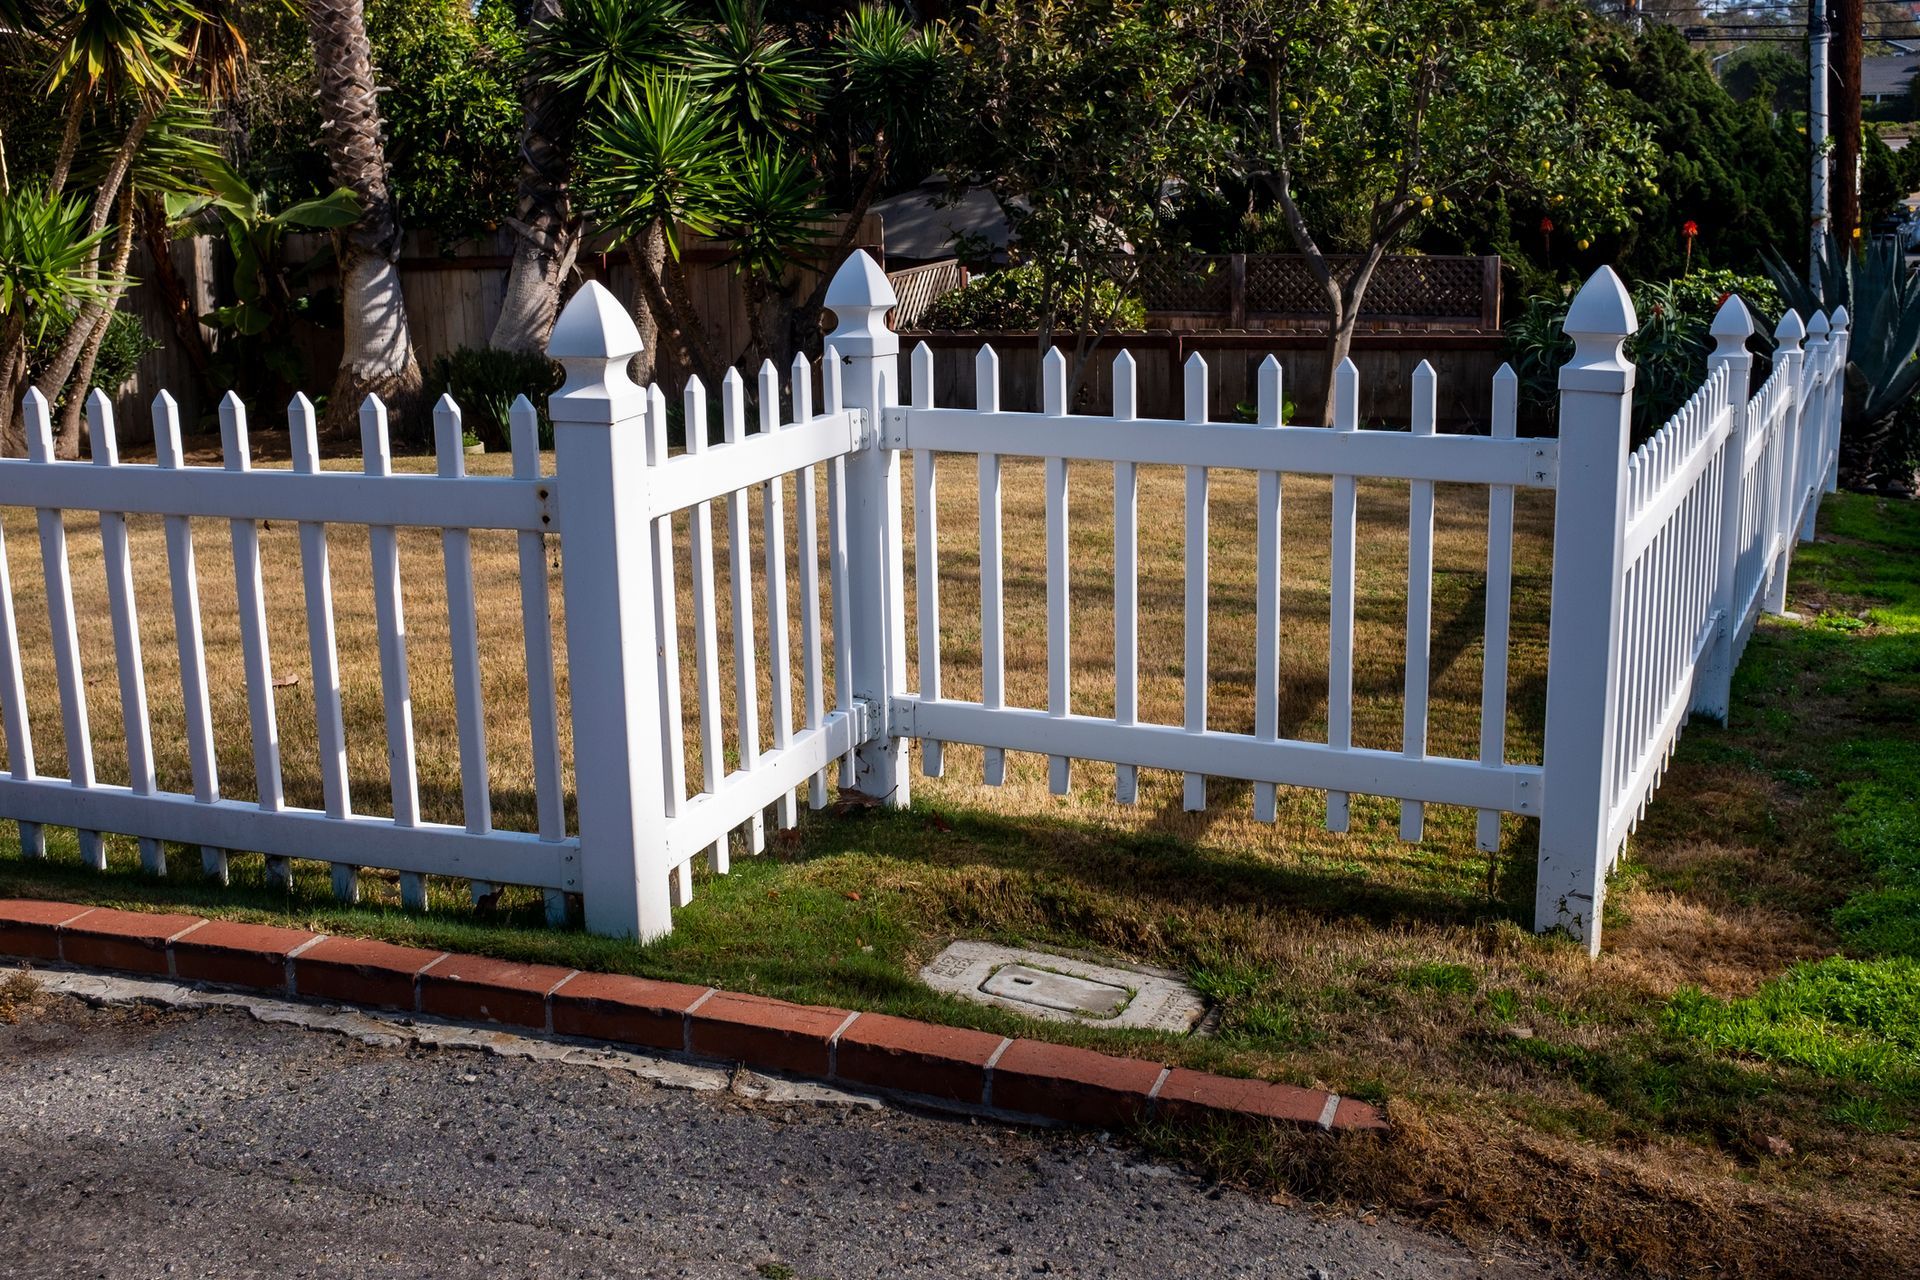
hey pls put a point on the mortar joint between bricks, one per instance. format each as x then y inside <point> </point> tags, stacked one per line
<point>686,1020</point>
<point>986,1072</point>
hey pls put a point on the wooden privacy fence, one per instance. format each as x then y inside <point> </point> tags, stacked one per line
<point>1662,560</point>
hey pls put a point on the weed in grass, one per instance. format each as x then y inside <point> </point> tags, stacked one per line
<point>20,993</point>
<point>1848,1019</point>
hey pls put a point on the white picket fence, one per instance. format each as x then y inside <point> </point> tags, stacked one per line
<point>1663,560</point>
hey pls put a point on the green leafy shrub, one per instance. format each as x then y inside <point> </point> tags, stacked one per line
<point>484,383</point>
<point>1013,300</point>
<point>1669,350</point>
<point>121,351</point>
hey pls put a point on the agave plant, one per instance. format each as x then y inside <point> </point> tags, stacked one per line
<point>1882,295</point>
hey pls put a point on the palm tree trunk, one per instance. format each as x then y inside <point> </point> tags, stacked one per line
<point>71,430</point>
<point>546,234</point>
<point>377,356</point>
<point>13,330</point>
<point>53,379</point>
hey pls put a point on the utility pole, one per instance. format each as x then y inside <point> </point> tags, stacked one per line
<point>1817,41</point>
<point>1849,21</point>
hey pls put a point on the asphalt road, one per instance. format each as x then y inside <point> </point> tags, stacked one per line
<point>140,1142</point>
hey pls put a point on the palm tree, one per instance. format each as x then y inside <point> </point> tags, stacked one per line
<point>377,357</point>
<point>579,56</point>
<point>658,167</point>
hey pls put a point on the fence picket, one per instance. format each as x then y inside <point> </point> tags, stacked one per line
<point>463,637</point>
<point>1059,573</point>
<point>1194,785</point>
<point>746,671</point>
<point>1346,417</point>
<point>536,628</point>
<point>993,662</point>
<point>780,659</point>
<point>323,654</point>
<point>706,620</point>
<point>666,610</point>
<point>68,676</point>
<point>13,706</point>
<point>186,629</point>
<point>126,629</point>
<point>926,557</point>
<point>807,517</point>
<point>1413,730</point>
<point>1126,577</point>
<point>1493,672</point>
<point>1269,410</point>
<point>256,656</point>
<point>390,618</point>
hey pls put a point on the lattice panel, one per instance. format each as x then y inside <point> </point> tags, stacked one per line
<point>1186,284</point>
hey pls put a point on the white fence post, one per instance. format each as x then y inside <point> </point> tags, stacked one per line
<point>1589,553</point>
<point>600,464</point>
<point>1810,443</point>
<point>859,298</point>
<point>1732,326</point>
<point>1788,355</point>
<point>1842,341</point>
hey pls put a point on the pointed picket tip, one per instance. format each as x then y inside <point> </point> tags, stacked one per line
<point>300,403</point>
<point>36,399</point>
<point>373,404</point>
<point>1424,371</point>
<point>733,380</point>
<point>1791,328</point>
<point>1271,362</point>
<point>986,355</point>
<point>1602,308</point>
<point>1819,326</point>
<point>1505,373</point>
<point>97,401</point>
<point>232,403</point>
<point>1732,320</point>
<point>1196,361</point>
<point>165,403</point>
<point>1124,360</point>
<point>770,370</point>
<point>860,284</point>
<point>1841,318</point>
<point>593,326</point>
<point>446,404</point>
<point>693,386</point>
<point>1346,368</point>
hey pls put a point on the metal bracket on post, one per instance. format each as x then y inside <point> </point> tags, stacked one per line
<point>893,428</point>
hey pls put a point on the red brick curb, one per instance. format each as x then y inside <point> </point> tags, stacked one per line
<point>1026,1078</point>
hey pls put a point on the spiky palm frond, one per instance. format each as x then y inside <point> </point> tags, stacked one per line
<point>48,258</point>
<point>771,210</point>
<point>659,155</point>
<point>596,51</point>
<point>891,74</point>
<point>763,83</point>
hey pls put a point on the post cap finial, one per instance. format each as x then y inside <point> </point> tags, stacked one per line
<point>1732,326</point>
<point>860,296</point>
<point>1841,319</point>
<point>593,340</point>
<point>1819,326</point>
<point>1599,322</point>
<point>1789,331</point>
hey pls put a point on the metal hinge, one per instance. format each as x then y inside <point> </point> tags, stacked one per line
<point>1546,465</point>
<point>893,428</point>
<point>867,724</point>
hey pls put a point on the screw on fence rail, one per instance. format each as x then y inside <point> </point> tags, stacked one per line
<point>869,353</point>
<point>1732,326</point>
<point>1583,659</point>
<point>600,461</point>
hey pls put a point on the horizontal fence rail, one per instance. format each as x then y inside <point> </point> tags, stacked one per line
<point>737,620</point>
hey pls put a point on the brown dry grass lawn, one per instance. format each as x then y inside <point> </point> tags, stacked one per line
<point>1532,1090</point>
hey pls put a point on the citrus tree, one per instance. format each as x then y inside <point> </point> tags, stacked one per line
<point>1367,120</point>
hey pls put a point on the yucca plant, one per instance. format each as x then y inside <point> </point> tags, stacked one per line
<point>659,165</point>
<point>49,270</point>
<point>762,83</point>
<point>772,214</point>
